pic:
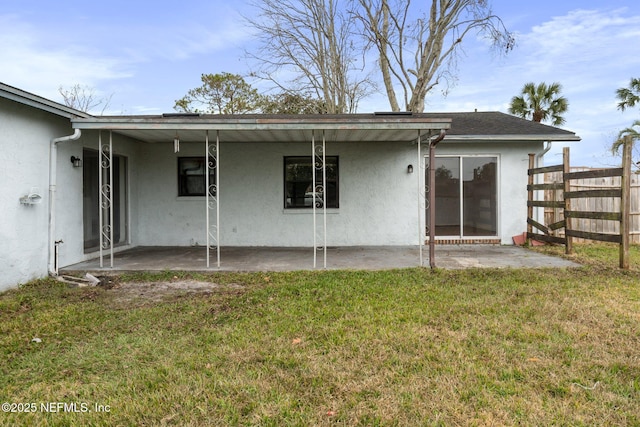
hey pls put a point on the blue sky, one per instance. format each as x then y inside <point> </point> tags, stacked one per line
<point>150,54</point>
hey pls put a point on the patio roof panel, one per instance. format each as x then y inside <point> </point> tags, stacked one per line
<point>269,128</point>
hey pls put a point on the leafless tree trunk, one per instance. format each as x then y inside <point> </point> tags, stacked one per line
<point>307,46</point>
<point>417,54</point>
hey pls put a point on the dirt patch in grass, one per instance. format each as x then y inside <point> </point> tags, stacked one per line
<point>136,294</point>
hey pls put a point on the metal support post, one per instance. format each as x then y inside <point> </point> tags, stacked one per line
<point>212,197</point>
<point>105,180</point>
<point>432,205</point>
<point>318,161</point>
<point>432,197</point>
<point>422,206</point>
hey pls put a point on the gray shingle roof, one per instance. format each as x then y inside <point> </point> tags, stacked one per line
<point>464,127</point>
<point>495,123</point>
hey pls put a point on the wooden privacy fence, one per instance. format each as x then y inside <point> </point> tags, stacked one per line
<point>573,207</point>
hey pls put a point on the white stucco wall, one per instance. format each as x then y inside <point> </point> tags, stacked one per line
<point>375,195</point>
<point>25,138</point>
<point>24,161</point>
<point>378,198</point>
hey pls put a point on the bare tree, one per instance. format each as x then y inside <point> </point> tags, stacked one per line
<point>83,98</point>
<point>418,54</point>
<point>307,46</point>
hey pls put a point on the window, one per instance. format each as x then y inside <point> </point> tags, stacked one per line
<point>298,182</point>
<point>466,196</point>
<point>192,176</point>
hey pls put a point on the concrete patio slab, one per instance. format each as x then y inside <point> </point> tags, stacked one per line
<point>350,258</point>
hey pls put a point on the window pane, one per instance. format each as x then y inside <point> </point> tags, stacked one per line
<point>479,190</point>
<point>192,176</point>
<point>447,190</point>
<point>299,181</point>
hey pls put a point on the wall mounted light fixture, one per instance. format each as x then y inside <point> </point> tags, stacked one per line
<point>76,161</point>
<point>410,169</point>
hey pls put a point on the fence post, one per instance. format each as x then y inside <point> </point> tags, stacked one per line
<point>625,203</point>
<point>532,164</point>
<point>566,168</point>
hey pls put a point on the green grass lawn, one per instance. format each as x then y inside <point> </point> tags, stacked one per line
<point>404,347</point>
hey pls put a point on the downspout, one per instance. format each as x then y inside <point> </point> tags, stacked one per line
<point>53,164</point>
<point>432,197</point>
<point>545,151</point>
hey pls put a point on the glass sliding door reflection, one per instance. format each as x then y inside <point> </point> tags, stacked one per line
<point>447,188</point>
<point>466,196</point>
<point>479,196</point>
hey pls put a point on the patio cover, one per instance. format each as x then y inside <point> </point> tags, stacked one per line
<point>315,130</point>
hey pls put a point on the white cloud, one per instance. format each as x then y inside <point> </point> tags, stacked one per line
<point>30,64</point>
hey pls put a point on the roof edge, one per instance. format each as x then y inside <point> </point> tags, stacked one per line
<point>511,138</point>
<point>35,101</point>
<point>248,122</point>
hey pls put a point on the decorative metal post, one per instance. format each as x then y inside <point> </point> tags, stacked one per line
<point>105,180</point>
<point>212,197</point>
<point>319,198</point>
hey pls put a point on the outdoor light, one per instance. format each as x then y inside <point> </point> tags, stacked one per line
<point>176,143</point>
<point>76,161</point>
<point>410,169</point>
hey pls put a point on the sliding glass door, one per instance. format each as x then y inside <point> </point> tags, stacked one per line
<point>91,200</point>
<point>466,196</point>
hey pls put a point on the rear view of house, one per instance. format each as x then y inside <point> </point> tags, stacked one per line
<point>107,184</point>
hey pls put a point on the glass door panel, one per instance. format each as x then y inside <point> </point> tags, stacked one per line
<point>466,208</point>
<point>479,196</point>
<point>447,188</point>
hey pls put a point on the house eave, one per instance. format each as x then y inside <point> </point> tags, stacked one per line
<point>346,122</point>
<point>513,138</point>
<point>35,101</point>
<point>270,128</point>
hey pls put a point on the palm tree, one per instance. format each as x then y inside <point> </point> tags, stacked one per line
<point>540,103</point>
<point>629,96</point>
<point>630,131</point>
<point>634,133</point>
